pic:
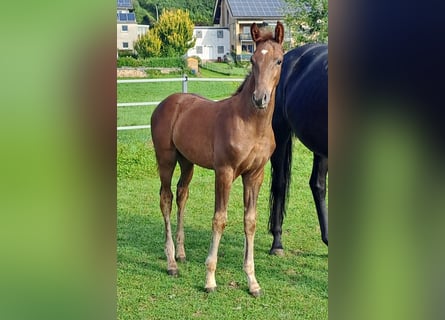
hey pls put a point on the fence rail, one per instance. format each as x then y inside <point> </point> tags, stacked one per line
<point>184,81</point>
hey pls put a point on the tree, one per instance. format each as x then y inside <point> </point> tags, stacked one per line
<point>142,15</point>
<point>201,11</point>
<point>175,30</point>
<point>172,36</point>
<point>308,20</point>
<point>148,45</point>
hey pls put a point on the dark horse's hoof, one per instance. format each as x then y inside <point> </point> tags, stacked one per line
<point>173,272</point>
<point>276,252</point>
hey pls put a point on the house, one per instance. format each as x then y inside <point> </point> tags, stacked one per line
<point>128,30</point>
<point>212,43</point>
<point>238,15</point>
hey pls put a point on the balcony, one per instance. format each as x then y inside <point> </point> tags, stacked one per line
<point>245,37</point>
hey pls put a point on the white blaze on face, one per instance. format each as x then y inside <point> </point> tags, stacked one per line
<point>264,51</point>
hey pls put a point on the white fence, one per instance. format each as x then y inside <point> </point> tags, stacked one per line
<point>184,81</point>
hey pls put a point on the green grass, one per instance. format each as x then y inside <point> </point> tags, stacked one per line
<point>157,91</point>
<point>144,92</point>
<point>226,69</point>
<point>294,286</point>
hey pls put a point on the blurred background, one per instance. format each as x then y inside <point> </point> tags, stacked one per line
<point>58,172</point>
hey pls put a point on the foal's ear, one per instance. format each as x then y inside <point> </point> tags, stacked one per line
<point>255,32</point>
<point>279,32</point>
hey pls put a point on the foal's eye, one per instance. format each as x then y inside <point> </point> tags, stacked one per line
<point>279,61</point>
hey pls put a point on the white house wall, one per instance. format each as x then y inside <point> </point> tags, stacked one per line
<point>127,37</point>
<point>207,46</point>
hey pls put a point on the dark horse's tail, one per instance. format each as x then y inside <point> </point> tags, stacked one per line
<point>281,163</point>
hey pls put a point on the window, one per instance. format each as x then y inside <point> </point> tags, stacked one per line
<point>220,49</point>
<point>247,48</point>
<point>124,28</point>
<point>198,34</point>
<point>125,45</point>
<point>220,34</point>
<point>198,49</point>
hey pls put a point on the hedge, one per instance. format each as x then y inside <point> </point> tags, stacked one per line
<point>175,62</point>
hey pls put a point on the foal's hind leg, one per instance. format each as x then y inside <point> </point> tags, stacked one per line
<point>318,186</point>
<point>166,168</point>
<point>182,193</point>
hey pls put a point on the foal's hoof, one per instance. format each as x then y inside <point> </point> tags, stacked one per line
<point>180,259</point>
<point>173,272</point>
<point>209,290</point>
<point>256,293</point>
<point>276,252</point>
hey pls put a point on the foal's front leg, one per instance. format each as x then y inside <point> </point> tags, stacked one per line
<point>223,183</point>
<point>252,184</point>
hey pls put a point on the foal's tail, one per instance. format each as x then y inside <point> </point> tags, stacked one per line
<point>281,163</point>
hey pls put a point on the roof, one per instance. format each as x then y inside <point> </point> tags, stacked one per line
<point>211,27</point>
<point>124,4</point>
<point>256,8</point>
<point>251,9</point>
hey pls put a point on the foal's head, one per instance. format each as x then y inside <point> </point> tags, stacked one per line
<point>266,63</point>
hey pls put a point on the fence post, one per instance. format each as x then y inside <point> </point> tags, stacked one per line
<point>184,84</point>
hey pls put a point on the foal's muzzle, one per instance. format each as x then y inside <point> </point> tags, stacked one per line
<point>260,100</point>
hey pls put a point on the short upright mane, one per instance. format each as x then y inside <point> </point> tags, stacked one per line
<point>241,87</point>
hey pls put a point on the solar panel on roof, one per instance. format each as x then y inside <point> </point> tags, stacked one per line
<point>124,3</point>
<point>126,16</point>
<point>257,8</point>
<point>123,16</point>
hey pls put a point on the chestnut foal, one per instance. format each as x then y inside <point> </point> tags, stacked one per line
<point>233,137</point>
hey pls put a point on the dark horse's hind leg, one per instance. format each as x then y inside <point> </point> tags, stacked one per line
<point>280,164</point>
<point>318,187</point>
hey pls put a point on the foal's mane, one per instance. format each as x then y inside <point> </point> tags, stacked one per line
<point>241,87</point>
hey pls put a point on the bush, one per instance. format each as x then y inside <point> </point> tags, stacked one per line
<point>128,62</point>
<point>126,53</point>
<point>176,62</point>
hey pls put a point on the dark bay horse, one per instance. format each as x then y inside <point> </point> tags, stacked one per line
<point>233,137</point>
<point>301,110</point>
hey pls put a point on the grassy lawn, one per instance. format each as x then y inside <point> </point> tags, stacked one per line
<point>226,69</point>
<point>294,286</point>
<point>157,91</point>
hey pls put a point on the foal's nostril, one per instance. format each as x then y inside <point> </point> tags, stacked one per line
<point>262,101</point>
